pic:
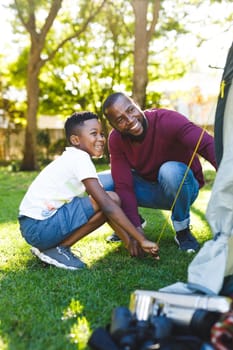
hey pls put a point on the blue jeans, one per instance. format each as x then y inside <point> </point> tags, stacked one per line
<point>106,180</point>
<point>161,193</point>
<point>48,233</point>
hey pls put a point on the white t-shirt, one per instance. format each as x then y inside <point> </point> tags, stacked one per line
<point>58,183</point>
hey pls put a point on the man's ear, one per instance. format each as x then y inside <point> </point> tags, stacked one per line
<point>74,140</point>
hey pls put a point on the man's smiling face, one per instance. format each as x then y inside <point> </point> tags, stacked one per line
<point>126,117</point>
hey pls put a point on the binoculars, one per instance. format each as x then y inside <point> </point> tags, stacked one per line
<point>156,317</point>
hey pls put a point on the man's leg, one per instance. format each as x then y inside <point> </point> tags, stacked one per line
<point>106,180</point>
<point>171,176</point>
<point>162,195</point>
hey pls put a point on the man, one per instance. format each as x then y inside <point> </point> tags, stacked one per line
<point>150,153</point>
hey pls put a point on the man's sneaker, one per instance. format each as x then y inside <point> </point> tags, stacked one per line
<point>143,222</point>
<point>59,256</point>
<point>114,238</point>
<point>186,241</point>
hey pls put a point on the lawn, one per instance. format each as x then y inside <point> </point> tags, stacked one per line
<point>45,308</point>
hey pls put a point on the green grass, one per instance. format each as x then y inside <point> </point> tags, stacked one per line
<point>44,307</point>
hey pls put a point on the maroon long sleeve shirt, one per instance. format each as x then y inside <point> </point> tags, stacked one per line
<point>170,137</point>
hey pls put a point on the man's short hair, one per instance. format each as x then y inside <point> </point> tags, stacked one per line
<point>111,99</point>
<point>76,120</point>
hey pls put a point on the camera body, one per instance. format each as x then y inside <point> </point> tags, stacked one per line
<point>154,318</point>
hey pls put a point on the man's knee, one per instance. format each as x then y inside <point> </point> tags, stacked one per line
<point>106,180</point>
<point>172,171</point>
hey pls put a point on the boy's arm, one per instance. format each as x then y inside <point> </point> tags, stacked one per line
<point>116,217</point>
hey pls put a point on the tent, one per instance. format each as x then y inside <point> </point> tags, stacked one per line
<point>214,262</point>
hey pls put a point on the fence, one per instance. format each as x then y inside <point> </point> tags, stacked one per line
<point>12,142</point>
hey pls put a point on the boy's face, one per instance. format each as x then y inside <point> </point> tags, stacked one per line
<point>90,138</point>
<point>126,117</point>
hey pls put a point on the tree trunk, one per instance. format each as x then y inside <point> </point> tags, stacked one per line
<point>143,33</point>
<point>140,76</point>
<point>27,16</point>
<point>29,162</point>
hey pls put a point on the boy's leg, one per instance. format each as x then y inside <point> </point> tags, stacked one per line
<point>52,238</point>
<point>61,255</point>
<point>94,222</point>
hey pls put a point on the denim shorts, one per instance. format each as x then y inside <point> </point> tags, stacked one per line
<point>48,233</point>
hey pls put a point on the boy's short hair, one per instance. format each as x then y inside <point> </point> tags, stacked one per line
<point>75,120</point>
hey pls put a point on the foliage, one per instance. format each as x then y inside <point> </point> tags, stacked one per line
<point>57,147</point>
<point>99,57</point>
<point>87,68</point>
<point>48,308</point>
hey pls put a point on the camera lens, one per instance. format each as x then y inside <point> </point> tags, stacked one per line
<point>163,326</point>
<point>121,319</point>
<point>202,322</point>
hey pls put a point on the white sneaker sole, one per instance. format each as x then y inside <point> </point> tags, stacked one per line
<point>46,259</point>
<point>187,251</point>
<point>144,224</point>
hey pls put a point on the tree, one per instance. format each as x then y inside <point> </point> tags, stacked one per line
<point>128,44</point>
<point>143,34</point>
<point>176,19</point>
<point>28,14</point>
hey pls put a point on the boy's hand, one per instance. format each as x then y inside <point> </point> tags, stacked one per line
<point>151,248</point>
<point>134,248</point>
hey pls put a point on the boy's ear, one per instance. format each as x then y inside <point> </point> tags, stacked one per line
<point>74,140</point>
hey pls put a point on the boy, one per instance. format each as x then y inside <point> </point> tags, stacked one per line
<point>54,213</point>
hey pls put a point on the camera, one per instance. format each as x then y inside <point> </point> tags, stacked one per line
<point>156,319</point>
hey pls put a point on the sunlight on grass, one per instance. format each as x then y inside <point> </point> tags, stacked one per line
<point>200,226</point>
<point>13,248</point>
<point>94,247</point>
<point>50,308</point>
<point>80,333</point>
<point>3,344</point>
<point>74,309</point>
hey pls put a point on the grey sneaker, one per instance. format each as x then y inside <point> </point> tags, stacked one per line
<point>114,238</point>
<point>59,256</point>
<point>186,241</point>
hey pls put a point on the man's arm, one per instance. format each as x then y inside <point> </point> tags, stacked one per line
<point>191,136</point>
<point>123,179</point>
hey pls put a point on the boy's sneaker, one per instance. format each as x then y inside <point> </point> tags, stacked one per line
<point>186,241</point>
<point>59,256</point>
<point>114,238</point>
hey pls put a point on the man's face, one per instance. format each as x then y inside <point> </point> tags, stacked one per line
<point>126,117</point>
